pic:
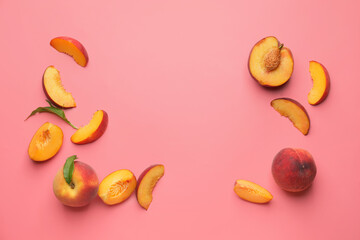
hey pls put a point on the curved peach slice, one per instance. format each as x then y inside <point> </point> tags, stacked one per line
<point>92,131</point>
<point>71,47</point>
<point>117,187</point>
<point>321,83</point>
<point>252,192</point>
<point>54,89</point>
<point>147,182</point>
<point>46,142</point>
<point>294,111</point>
<point>270,63</point>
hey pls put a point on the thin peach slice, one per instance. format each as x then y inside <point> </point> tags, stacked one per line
<point>252,192</point>
<point>92,131</point>
<point>71,47</point>
<point>321,83</point>
<point>270,63</point>
<point>46,142</point>
<point>147,182</point>
<point>54,89</point>
<point>117,187</point>
<point>294,111</point>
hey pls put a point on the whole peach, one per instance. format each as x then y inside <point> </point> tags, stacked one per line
<point>82,189</point>
<point>293,169</point>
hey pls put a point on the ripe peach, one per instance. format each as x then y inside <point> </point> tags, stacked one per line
<point>293,169</point>
<point>73,48</point>
<point>82,189</point>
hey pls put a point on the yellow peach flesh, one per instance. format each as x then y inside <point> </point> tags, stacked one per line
<point>55,90</point>
<point>46,142</point>
<point>66,46</point>
<point>252,192</point>
<point>84,132</point>
<point>319,78</point>
<point>117,187</point>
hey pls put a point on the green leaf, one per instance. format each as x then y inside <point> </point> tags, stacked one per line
<point>69,168</point>
<point>52,109</point>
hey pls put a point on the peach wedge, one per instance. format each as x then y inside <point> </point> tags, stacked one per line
<point>117,187</point>
<point>92,131</point>
<point>54,89</point>
<point>72,47</point>
<point>147,181</point>
<point>252,192</point>
<point>321,83</point>
<point>270,63</point>
<point>46,142</point>
<point>294,111</point>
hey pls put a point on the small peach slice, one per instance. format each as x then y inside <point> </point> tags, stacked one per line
<point>270,63</point>
<point>321,83</point>
<point>252,192</point>
<point>117,187</point>
<point>92,131</point>
<point>294,111</point>
<point>54,89</point>
<point>71,47</point>
<point>46,142</point>
<point>147,182</point>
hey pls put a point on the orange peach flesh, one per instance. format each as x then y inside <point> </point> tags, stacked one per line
<point>294,111</point>
<point>257,67</point>
<point>321,83</point>
<point>46,142</point>
<point>252,192</point>
<point>65,45</point>
<point>55,90</point>
<point>147,184</point>
<point>117,187</point>
<point>86,132</point>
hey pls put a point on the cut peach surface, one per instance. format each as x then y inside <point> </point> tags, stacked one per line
<point>146,184</point>
<point>252,192</point>
<point>92,131</point>
<point>117,187</point>
<point>321,83</point>
<point>71,47</point>
<point>54,89</point>
<point>294,111</point>
<point>46,142</point>
<point>270,63</point>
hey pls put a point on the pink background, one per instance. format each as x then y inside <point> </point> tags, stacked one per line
<point>173,77</point>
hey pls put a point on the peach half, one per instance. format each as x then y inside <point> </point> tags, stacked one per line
<point>294,111</point>
<point>46,142</point>
<point>54,89</point>
<point>92,131</point>
<point>146,184</point>
<point>321,83</point>
<point>252,192</point>
<point>72,47</point>
<point>270,63</point>
<point>117,187</point>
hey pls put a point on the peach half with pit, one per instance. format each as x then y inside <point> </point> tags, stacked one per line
<point>46,142</point>
<point>117,187</point>
<point>270,63</point>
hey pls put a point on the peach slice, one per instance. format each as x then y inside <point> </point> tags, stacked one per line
<point>321,83</point>
<point>92,131</point>
<point>147,182</point>
<point>294,111</point>
<point>71,47</point>
<point>46,142</point>
<point>54,89</point>
<point>270,63</point>
<point>252,192</point>
<point>117,187</point>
